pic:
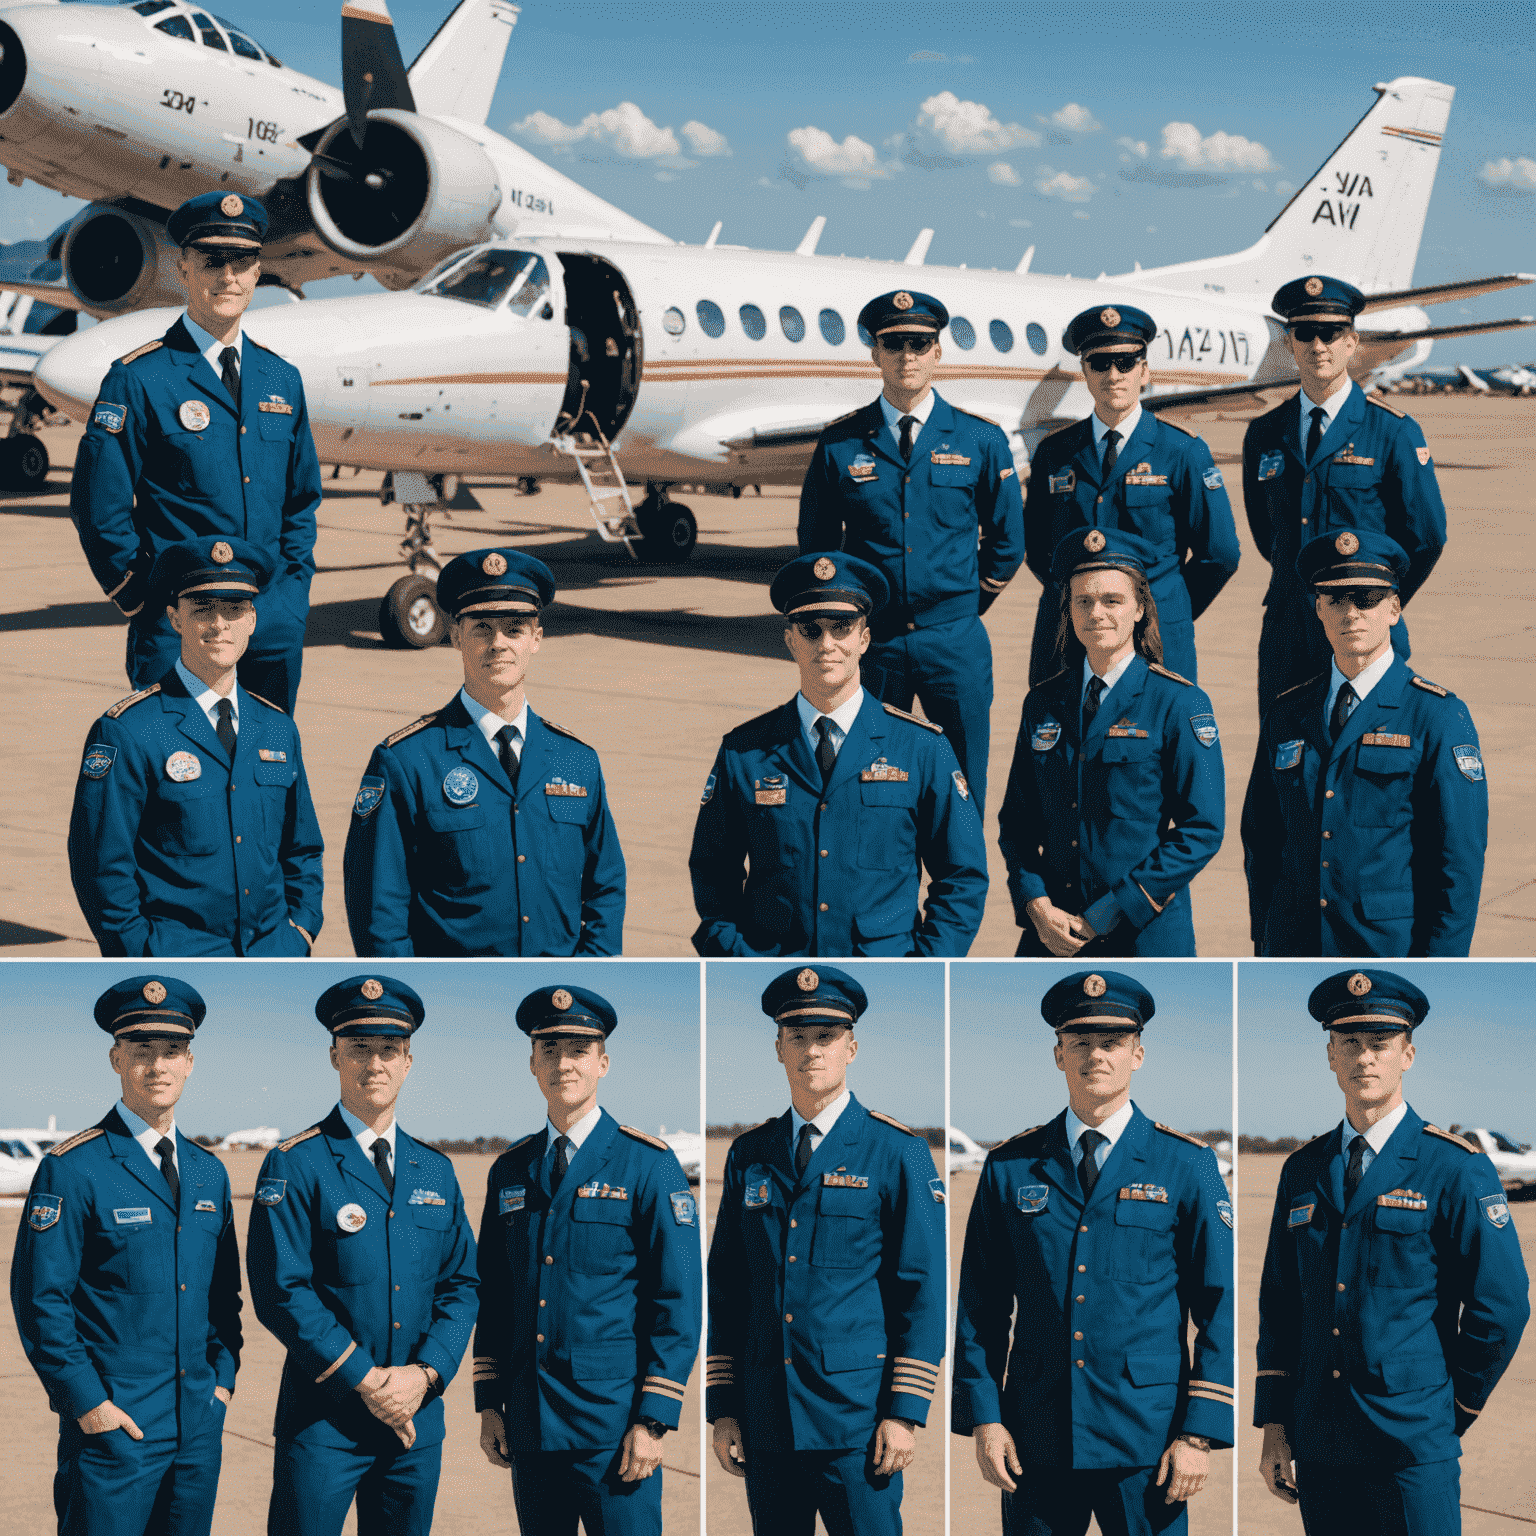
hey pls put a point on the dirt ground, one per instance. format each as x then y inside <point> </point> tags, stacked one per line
<point>473,1496</point>
<point>653,665</point>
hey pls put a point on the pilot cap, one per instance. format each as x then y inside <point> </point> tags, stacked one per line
<point>1352,557</point>
<point>566,1013</point>
<point>814,995</point>
<point>1318,298</point>
<point>1097,1003</point>
<point>903,309</point>
<point>371,1005</point>
<point>1108,325</point>
<point>218,221</point>
<point>829,585</point>
<point>1367,1001</point>
<point>150,1008</point>
<point>1100,549</point>
<point>502,580</point>
<point>210,567</point>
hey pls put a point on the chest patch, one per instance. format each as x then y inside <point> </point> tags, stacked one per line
<point>1126,727</point>
<point>1301,1216</point>
<point>133,1216</point>
<point>771,791</point>
<point>1204,727</point>
<point>882,772</point>
<point>948,458</point>
<point>1032,1198</point>
<point>1468,759</point>
<point>844,1180</point>
<point>272,755</point>
<point>684,1210</point>
<point>194,415</point>
<point>571,791</point>
<point>1403,1200</point>
<point>351,1218</point>
<point>275,405</point>
<point>183,767</point>
<point>1211,479</point>
<point>271,1191</point>
<point>596,1191</point>
<point>513,1199</point>
<point>1288,754</point>
<point>1385,739</point>
<point>1045,735</point>
<point>1140,476</point>
<point>1496,1209</point>
<point>756,1194</point>
<point>113,417</point>
<point>1270,465</point>
<point>43,1211</point>
<point>1153,1192</point>
<point>863,467</point>
<point>205,1205</point>
<point>426,1197</point>
<point>460,786</point>
<point>370,796</point>
<point>1349,456</point>
<point>98,762</point>
<point>1063,484</point>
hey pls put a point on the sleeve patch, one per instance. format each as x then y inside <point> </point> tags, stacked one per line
<point>370,796</point>
<point>43,1211</point>
<point>1212,479</point>
<point>709,790</point>
<point>113,417</point>
<point>684,1209</point>
<point>936,1189</point>
<point>1470,761</point>
<point>1494,1207</point>
<point>1224,1210</point>
<point>99,759</point>
<point>271,1191</point>
<point>961,785</point>
<point>1204,727</point>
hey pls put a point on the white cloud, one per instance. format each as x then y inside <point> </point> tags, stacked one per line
<point>1283,187</point>
<point>1078,213</point>
<point>1021,223</point>
<point>1135,149</point>
<point>1001,174</point>
<point>549,130</point>
<point>1076,119</point>
<point>968,127</point>
<point>704,140</point>
<point>1062,184</point>
<point>625,129</point>
<point>1219,151</point>
<point>854,160</point>
<point>1517,175</point>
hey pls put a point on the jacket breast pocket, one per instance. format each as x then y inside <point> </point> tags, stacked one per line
<point>601,1238</point>
<point>1382,785</point>
<point>195,460</point>
<point>885,824</point>
<point>953,493</point>
<point>189,819</point>
<point>135,1259</point>
<point>1133,776</point>
<point>1141,1250</point>
<point>847,1227</point>
<point>1401,1253</point>
<point>569,810</point>
<point>275,427</point>
<point>452,839</point>
<point>1149,511</point>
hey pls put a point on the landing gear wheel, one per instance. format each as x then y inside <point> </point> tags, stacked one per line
<point>669,532</point>
<point>409,618</point>
<point>23,463</point>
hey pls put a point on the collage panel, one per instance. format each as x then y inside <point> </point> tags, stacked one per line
<point>1385,1240</point>
<point>335,1282</point>
<point>824,1198</point>
<point>1093,1326</point>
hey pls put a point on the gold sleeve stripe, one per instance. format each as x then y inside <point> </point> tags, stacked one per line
<point>1214,1397</point>
<point>663,1381</point>
<point>905,1389</point>
<point>1473,1411</point>
<point>1215,1386</point>
<point>330,1369</point>
<point>920,1364</point>
<point>710,1358</point>
<point>1274,1373</point>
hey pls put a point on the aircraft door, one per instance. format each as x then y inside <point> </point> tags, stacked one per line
<point>607,348</point>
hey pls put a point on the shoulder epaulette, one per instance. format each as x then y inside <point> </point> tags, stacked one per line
<point>523,1143</point>
<point>1297,687</point>
<point>1162,671</point>
<point>560,730</point>
<point>132,699</point>
<point>79,1139</point>
<point>412,728</point>
<point>901,714</point>
<point>1461,1141</point>
<point>875,1114</point>
<point>1041,684</point>
<point>144,351</point>
<point>293,1141</point>
<point>1306,1144</point>
<point>1178,426</point>
<point>991,421</point>
<point>1017,1136</point>
<point>838,421</point>
<point>1427,686</point>
<point>1168,1130</point>
<point>1057,431</point>
<point>268,702</point>
<point>646,1137</point>
<point>1391,409</point>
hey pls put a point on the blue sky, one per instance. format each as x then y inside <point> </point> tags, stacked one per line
<point>261,1056</point>
<point>1002,1074</point>
<point>900,1066</point>
<point>1474,1049</point>
<point>761,115</point>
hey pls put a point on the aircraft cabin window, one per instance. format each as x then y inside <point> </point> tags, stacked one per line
<point>963,332</point>
<point>176,26</point>
<point>152,7</point>
<point>673,322</point>
<point>241,43</point>
<point>212,37</point>
<point>752,321</point>
<point>1002,337</point>
<point>831,324</point>
<point>490,277</point>
<point>1034,334</point>
<point>792,323</point>
<point>711,317</point>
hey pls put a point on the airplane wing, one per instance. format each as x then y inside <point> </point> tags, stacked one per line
<point>455,75</point>
<point>55,293</point>
<point>1247,399</point>
<point>1444,293</point>
<point>1471,378</point>
<point>1378,347</point>
<point>16,367</point>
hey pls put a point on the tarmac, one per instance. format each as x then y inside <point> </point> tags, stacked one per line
<point>652,665</point>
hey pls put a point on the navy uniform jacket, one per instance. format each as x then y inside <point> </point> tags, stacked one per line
<point>225,862</point>
<point>1099,1374</point>
<point>896,802</point>
<point>809,1355</point>
<point>1371,845</point>
<point>1377,1319</point>
<point>1371,470</point>
<point>1132,814</point>
<point>1165,488</point>
<point>144,481</point>
<point>118,1293</point>
<point>443,858</point>
<point>572,1352</point>
<point>398,1290</point>
<point>918,522</point>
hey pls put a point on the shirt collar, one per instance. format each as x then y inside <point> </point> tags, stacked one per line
<point>489,724</point>
<point>205,697</point>
<point>922,411</point>
<point>364,1136</point>
<point>842,717</point>
<point>143,1132</point>
<point>577,1134</point>
<point>822,1122</point>
<point>210,346</point>
<point>1125,429</point>
<point>1110,1129</point>
<point>1111,677</point>
<point>1379,1134</point>
<point>1362,685</point>
<point>1331,406</point>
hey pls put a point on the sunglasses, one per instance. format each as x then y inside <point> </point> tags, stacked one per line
<point>839,629</point>
<point>905,341</point>
<point>1357,597</point>
<point>241,261</point>
<point>1327,334</point>
<point>1121,362</point>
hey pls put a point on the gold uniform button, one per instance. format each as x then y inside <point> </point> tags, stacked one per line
<point>1077,1336</point>
<point>1325,863</point>
<point>823,906</point>
<point>791,1260</point>
<point>397,1325</point>
<point>247,479</point>
<point>823,853</point>
<point>397,1287</point>
<point>911,626</point>
<point>522,858</point>
<point>1335,1375</point>
<point>1326,836</point>
<point>549,1258</point>
<point>1341,1285</point>
<point>1327,794</point>
<point>237,839</point>
<point>786,1359</point>
<point>540,1338</point>
<point>526,918</point>
<point>242,431</point>
<point>1082,1269</point>
<point>1080,1365</point>
<point>1303,522</point>
<point>789,1317</point>
<point>183,1287</point>
<point>1082,1229</point>
<point>1335,1333</point>
<point>542,1302</point>
<point>793,1222</point>
<point>1080,1298</point>
<point>1322,901</point>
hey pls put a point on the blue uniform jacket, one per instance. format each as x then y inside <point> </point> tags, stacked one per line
<point>399,1289</point>
<point>1373,844</point>
<point>1377,1318</point>
<point>1165,488</point>
<point>226,862</point>
<point>443,858</point>
<point>590,1301</point>
<point>918,522</point>
<point>1371,470</point>
<point>896,802</point>
<point>1099,1373</point>
<point>143,480</point>
<point>826,1293</point>
<point>1118,826</point>
<point>118,1293</point>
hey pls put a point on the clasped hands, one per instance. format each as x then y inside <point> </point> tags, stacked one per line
<point>1062,932</point>
<point>393,1394</point>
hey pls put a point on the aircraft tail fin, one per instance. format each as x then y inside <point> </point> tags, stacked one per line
<point>1360,217</point>
<point>455,75</point>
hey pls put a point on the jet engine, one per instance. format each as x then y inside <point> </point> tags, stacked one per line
<point>415,192</point>
<point>115,261</point>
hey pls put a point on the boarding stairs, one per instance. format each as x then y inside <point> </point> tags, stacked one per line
<point>607,494</point>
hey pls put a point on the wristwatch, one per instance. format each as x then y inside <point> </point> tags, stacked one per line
<point>434,1381</point>
<point>1199,1442</point>
<point>655,1426</point>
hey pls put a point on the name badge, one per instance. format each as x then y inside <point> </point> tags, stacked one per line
<point>1470,761</point>
<point>1045,736</point>
<point>426,1197</point>
<point>1270,465</point>
<point>275,406</point>
<point>882,772</point>
<point>1403,1200</point>
<point>756,1194</point>
<point>560,787</point>
<point>134,1216</point>
<point>1301,1216</point>
<point>1349,456</point>
<point>1153,1192</point>
<point>1288,754</point>
<point>1033,1198</point>
<point>269,755</point>
<point>948,458</point>
<point>843,1180</point>
<point>1126,728</point>
<point>1064,484</point>
<point>1146,479</point>
<point>205,1205</point>
<point>1385,739</point>
<point>512,1199</point>
<point>271,1191</point>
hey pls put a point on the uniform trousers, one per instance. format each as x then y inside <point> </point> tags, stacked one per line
<point>1126,1501</point>
<point>1373,1501</point>
<point>786,1490</point>
<point>313,1487</point>
<point>554,1489</point>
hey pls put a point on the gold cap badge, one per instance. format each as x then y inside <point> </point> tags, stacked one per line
<point>1094,986</point>
<point>1093,541</point>
<point>154,993</point>
<point>373,990</point>
<point>902,301</point>
<point>221,553</point>
<point>1359,984</point>
<point>494,564</point>
<point>807,980</point>
<point>1346,543</point>
<point>824,570</point>
<point>231,207</point>
<point>560,999</point>
<point>1109,317</point>
<point>1314,286</point>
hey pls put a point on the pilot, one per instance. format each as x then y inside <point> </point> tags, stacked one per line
<point>204,432</point>
<point>1329,458</point>
<point>482,828</point>
<point>1117,798</point>
<point>125,1283</point>
<point>826,1286</point>
<point>1127,468</point>
<point>818,818</point>
<point>1366,819</point>
<point>362,1263</point>
<point>905,483</point>
<point>1119,1421</point>
<point>193,832</point>
<point>591,1292</point>
<point>1393,1294</point>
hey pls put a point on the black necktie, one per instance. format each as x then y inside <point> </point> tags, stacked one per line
<point>1315,434</point>
<point>167,1155</point>
<point>510,761</point>
<point>826,753</point>
<point>803,1150</point>
<point>1091,701</point>
<point>1111,453</point>
<point>1343,708</point>
<point>1088,1166</point>
<point>1356,1169</point>
<point>907,423</point>
<point>229,362</point>
<point>381,1162</point>
<point>562,1162</point>
<point>225,728</point>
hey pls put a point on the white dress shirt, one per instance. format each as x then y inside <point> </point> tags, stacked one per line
<point>148,1137</point>
<point>489,724</point>
<point>1110,1130</point>
<point>1362,685</point>
<point>819,1126</point>
<point>207,700</point>
<point>210,345</point>
<point>1109,679</point>
<point>1375,1138</point>
<point>921,412</point>
<point>842,719</point>
<point>1125,429</point>
<point>577,1134</point>
<point>365,1137</point>
<point>1331,408</point>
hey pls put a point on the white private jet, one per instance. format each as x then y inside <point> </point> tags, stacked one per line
<point>1514,1160</point>
<point>22,1148</point>
<point>965,1155</point>
<point>689,1149</point>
